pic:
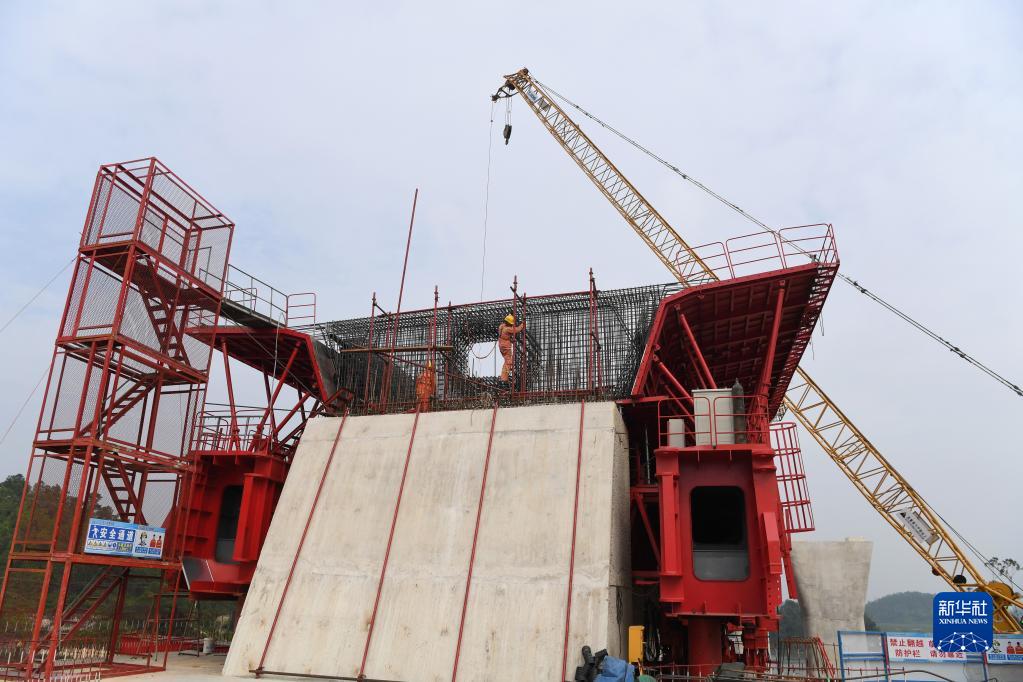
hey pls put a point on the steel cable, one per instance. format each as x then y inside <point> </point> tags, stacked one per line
<point>848,280</point>
<point>36,295</point>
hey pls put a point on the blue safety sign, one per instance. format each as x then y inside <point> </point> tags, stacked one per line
<point>117,538</point>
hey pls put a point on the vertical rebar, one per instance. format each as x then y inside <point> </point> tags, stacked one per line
<point>523,385</point>
<point>369,346</point>
<point>433,330</point>
<point>515,315</point>
<point>397,314</point>
<point>448,342</point>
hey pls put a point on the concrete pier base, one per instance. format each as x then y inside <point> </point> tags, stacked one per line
<point>831,577</point>
<point>517,606</point>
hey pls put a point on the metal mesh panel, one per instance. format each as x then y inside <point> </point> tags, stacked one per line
<point>92,309</point>
<point>115,453</point>
<point>176,221</point>
<point>149,316</point>
<point>114,211</point>
<point>71,399</point>
<point>163,233</point>
<point>178,408</point>
<point>208,251</point>
<point>75,299</point>
<point>19,607</point>
<point>573,344</point>
<point>197,235</point>
<point>47,508</point>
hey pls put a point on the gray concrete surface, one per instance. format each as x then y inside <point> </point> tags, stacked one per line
<point>515,618</point>
<point>831,578</point>
<point>184,668</point>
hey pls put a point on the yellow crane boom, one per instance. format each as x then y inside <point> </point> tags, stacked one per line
<point>876,479</point>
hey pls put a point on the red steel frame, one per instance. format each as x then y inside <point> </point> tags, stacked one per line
<point>151,299</point>
<point>249,447</point>
<point>752,330</point>
<point>120,433</point>
<point>112,437</point>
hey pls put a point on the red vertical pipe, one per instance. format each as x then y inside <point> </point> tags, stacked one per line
<point>232,434</point>
<point>571,560</point>
<point>387,551</point>
<point>301,541</point>
<point>397,314</point>
<point>475,537</point>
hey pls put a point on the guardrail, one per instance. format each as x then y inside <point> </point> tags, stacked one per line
<point>725,420</point>
<point>758,252</point>
<point>266,301</point>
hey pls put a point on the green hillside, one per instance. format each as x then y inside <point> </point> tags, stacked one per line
<point>899,612</point>
<point>906,611</point>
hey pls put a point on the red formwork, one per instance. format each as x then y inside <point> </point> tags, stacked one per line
<point>112,438</point>
<point>242,452</point>
<point>718,488</point>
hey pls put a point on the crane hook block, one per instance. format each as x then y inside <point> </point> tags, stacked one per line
<point>507,132</point>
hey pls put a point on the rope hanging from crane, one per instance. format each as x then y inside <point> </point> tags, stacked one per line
<point>486,198</point>
<point>1015,388</point>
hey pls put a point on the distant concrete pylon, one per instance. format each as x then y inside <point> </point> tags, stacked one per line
<point>831,577</point>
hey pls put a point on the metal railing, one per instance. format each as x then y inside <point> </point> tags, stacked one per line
<point>759,252</point>
<point>220,431</point>
<point>264,300</point>
<point>795,495</point>
<point>725,420</point>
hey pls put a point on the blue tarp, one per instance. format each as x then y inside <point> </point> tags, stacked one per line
<point>615,670</point>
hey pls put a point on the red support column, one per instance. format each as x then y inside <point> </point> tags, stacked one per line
<point>387,551</point>
<point>301,542</point>
<point>672,591</point>
<point>575,525</point>
<point>475,537</point>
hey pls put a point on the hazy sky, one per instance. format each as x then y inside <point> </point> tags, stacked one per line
<point>310,124</point>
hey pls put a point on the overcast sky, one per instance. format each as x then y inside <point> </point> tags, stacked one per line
<point>310,124</point>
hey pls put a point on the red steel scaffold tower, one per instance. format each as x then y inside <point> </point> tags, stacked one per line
<point>125,385</point>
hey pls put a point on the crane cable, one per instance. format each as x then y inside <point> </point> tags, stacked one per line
<point>848,280</point>
<point>486,197</point>
<point>36,295</point>
<point>675,169</point>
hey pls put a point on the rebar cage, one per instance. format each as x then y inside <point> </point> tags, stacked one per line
<point>574,345</point>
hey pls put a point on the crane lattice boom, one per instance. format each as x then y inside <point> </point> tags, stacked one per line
<point>876,479</point>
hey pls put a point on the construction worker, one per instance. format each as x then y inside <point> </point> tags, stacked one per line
<point>426,386</point>
<point>505,332</point>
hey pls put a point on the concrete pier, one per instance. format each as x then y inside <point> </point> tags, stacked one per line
<point>831,577</point>
<point>517,606</point>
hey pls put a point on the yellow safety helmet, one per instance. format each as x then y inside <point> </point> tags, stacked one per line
<point>510,319</point>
